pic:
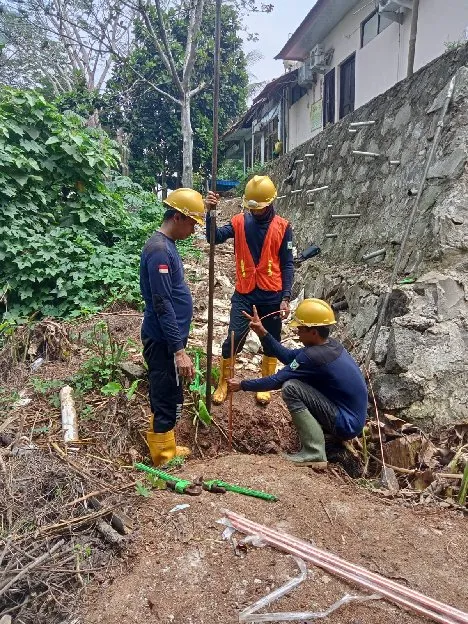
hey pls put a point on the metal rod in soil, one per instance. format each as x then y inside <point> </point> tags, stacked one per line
<point>214,170</point>
<point>231,394</point>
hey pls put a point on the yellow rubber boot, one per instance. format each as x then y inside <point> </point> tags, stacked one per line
<point>268,368</point>
<point>156,442</point>
<point>162,447</point>
<point>220,394</point>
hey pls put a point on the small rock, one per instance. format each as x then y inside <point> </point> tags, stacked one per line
<point>252,344</point>
<point>394,392</point>
<point>389,480</point>
<point>133,371</point>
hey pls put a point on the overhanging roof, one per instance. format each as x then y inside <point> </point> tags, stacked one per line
<point>238,129</point>
<point>321,19</point>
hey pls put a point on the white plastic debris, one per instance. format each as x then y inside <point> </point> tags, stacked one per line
<point>179,508</point>
<point>251,613</point>
<point>37,364</point>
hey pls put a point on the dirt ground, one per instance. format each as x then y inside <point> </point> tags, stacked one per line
<point>180,571</point>
<point>174,566</point>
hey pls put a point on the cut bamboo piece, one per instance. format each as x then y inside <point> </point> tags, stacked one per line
<point>296,191</point>
<point>360,124</point>
<point>331,235</point>
<point>69,417</point>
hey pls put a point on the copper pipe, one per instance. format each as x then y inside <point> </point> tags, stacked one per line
<point>231,394</point>
<point>395,592</point>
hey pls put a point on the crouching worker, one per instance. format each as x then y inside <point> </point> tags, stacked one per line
<point>322,385</point>
<point>166,323</point>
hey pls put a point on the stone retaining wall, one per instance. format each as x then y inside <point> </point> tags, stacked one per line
<point>420,367</point>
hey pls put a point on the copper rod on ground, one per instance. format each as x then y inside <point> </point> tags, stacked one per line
<point>397,593</point>
<point>231,394</point>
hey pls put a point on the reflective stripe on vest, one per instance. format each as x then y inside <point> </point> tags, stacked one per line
<point>267,274</point>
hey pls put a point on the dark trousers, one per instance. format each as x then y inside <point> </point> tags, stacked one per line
<point>299,396</point>
<point>166,393</point>
<point>240,325</point>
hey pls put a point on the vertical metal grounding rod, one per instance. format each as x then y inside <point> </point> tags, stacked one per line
<point>214,171</point>
<point>409,224</point>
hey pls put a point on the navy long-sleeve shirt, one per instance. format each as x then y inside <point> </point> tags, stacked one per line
<point>168,302</point>
<point>256,229</point>
<point>330,369</point>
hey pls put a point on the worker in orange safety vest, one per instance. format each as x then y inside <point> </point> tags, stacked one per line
<point>264,275</point>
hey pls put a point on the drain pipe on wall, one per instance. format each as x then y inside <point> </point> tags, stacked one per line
<point>413,37</point>
<point>409,225</point>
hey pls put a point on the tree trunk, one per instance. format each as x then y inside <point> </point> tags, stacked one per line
<point>187,143</point>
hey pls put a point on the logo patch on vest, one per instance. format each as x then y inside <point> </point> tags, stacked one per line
<point>294,365</point>
<point>163,268</point>
<point>290,245</point>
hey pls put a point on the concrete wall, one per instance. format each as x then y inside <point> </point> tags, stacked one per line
<point>379,65</point>
<point>422,362</point>
<point>440,22</point>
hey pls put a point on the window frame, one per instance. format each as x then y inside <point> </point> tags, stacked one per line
<point>366,21</point>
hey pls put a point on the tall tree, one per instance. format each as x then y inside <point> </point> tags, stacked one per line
<point>152,119</point>
<point>94,33</point>
<point>62,43</point>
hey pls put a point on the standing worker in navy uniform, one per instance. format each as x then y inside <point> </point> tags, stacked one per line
<point>167,319</point>
<point>264,274</point>
<point>322,385</point>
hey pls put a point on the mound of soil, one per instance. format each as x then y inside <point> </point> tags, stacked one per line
<point>182,572</point>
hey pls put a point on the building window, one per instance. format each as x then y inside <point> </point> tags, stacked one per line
<point>257,151</point>
<point>296,93</point>
<point>271,137</point>
<point>248,153</point>
<point>373,26</point>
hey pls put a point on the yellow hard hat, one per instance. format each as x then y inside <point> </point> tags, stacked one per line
<point>259,193</point>
<point>313,313</point>
<point>189,202</point>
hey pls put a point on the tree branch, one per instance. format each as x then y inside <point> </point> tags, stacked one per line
<point>162,28</point>
<point>196,15</point>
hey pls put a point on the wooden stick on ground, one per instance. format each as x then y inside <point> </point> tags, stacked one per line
<point>31,565</point>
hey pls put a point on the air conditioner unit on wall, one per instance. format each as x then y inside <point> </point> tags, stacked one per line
<point>319,60</point>
<point>306,75</point>
<point>388,6</point>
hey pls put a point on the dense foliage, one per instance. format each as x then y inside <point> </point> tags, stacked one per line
<point>70,236</point>
<point>153,121</point>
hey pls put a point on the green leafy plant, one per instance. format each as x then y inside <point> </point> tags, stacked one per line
<point>175,462</point>
<point>113,388</point>
<point>71,231</point>
<point>43,386</point>
<point>103,367</point>
<point>142,490</point>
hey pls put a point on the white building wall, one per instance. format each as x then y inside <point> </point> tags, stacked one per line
<point>440,22</point>
<point>303,119</point>
<point>380,64</point>
<point>383,61</point>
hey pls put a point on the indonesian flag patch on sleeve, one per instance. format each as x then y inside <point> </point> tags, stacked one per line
<point>163,268</point>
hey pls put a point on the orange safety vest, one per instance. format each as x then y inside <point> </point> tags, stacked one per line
<point>267,274</point>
